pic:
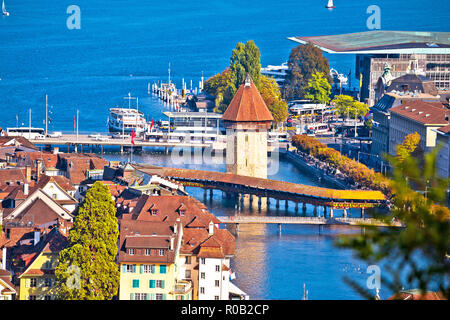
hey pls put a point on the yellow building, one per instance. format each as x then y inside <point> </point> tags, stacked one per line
<point>149,259</point>
<point>37,281</point>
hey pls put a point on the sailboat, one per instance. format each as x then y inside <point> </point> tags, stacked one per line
<point>5,13</point>
<point>330,5</point>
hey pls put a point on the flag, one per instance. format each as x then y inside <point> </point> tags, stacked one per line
<point>151,125</point>
<point>133,134</point>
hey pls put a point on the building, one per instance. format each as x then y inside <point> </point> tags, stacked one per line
<point>443,160</point>
<point>417,116</point>
<point>407,88</point>
<point>429,51</point>
<point>417,294</point>
<point>247,120</point>
<point>149,259</point>
<point>36,269</point>
<point>7,288</point>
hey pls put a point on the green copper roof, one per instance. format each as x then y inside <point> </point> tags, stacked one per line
<point>382,42</point>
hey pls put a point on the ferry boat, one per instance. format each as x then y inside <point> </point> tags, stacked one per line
<point>279,73</point>
<point>126,120</point>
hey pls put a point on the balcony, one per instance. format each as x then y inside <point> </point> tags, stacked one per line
<point>182,287</point>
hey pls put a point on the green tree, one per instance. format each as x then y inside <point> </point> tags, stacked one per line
<point>304,61</point>
<point>347,107</point>
<point>414,256</point>
<point>318,89</point>
<point>271,94</point>
<point>87,268</point>
<point>245,58</point>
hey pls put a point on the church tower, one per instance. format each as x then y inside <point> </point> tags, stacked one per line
<point>247,120</point>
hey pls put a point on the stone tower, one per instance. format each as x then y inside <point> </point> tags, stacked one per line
<point>247,120</point>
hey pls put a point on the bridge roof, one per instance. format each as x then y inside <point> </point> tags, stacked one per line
<point>275,185</point>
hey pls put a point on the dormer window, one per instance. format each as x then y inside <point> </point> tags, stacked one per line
<point>154,212</point>
<point>148,252</point>
<point>161,252</point>
<point>131,252</point>
<point>182,212</point>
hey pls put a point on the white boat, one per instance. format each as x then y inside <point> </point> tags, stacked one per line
<point>330,4</point>
<point>126,120</point>
<point>279,73</point>
<point>5,13</point>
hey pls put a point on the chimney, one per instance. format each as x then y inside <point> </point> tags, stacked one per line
<point>55,150</point>
<point>175,228</point>
<point>26,188</point>
<point>37,237</point>
<point>38,169</point>
<point>211,228</point>
<point>4,258</point>
<point>28,173</point>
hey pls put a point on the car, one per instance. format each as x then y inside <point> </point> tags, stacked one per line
<point>39,137</point>
<point>101,138</point>
<point>56,134</point>
<point>118,135</point>
<point>94,135</point>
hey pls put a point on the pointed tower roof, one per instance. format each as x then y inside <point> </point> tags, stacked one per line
<point>247,105</point>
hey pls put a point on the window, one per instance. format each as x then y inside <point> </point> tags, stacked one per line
<point>154,212</point>
<point>149,268</point>
<point>33,282</point>
<point>202,290</point>
<point>216,297</point>
<point>54,196</point>
<point>182,213</point>
<point>131,252</point>
<point>47,282</point>
<point>31,297</point>
<point>217,268</point>
<point>135,283</point>
<point>217,283</point>
<point>161,252</point>
<point>188,260</point>
<point>202,275</point>
<point>128,268</point>
<point>160,284</point>
<point>202,260</point>
<point>159,296</point>
<point>140,296</point>
<point>148,252</point>
<point>162,268</point>
<point>187,274</point>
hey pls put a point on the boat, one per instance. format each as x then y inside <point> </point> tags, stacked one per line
<point>279,73</point>
<point>330,5</point>
<point>5,13</point>
<point>126,120</point>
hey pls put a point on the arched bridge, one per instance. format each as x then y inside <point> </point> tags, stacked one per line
<point>280,190</point>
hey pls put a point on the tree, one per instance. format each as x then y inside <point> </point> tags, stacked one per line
<point>304,61</point>
<point>87,268</point>
<point>271,94</point>
<point>245,58</point>
<point>414,256</point>
<point>347,106</point>
<point>408,146</point>
<point>318,89</point>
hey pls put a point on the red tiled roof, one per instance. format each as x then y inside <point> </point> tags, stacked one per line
<point>430,113</point>
<point>12,175</point>
<point>417,295</point>
<point>247,105</point>
<point>445,129</point>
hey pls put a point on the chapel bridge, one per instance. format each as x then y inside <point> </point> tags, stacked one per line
<point>266,188</point>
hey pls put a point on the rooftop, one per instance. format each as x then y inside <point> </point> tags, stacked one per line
<point>247,105</point>
<point>427,113</point>
<point>381,42</point>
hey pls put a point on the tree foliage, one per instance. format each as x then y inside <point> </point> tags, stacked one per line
<point>318,89</point>
<point>347,106</point>
<point>409,145</point>
<point>304,61</point>
<point>87,268</point>
<point>245,59</point>
<point>414,256</point>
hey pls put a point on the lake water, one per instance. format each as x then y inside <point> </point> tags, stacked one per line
<point>123,45</point>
